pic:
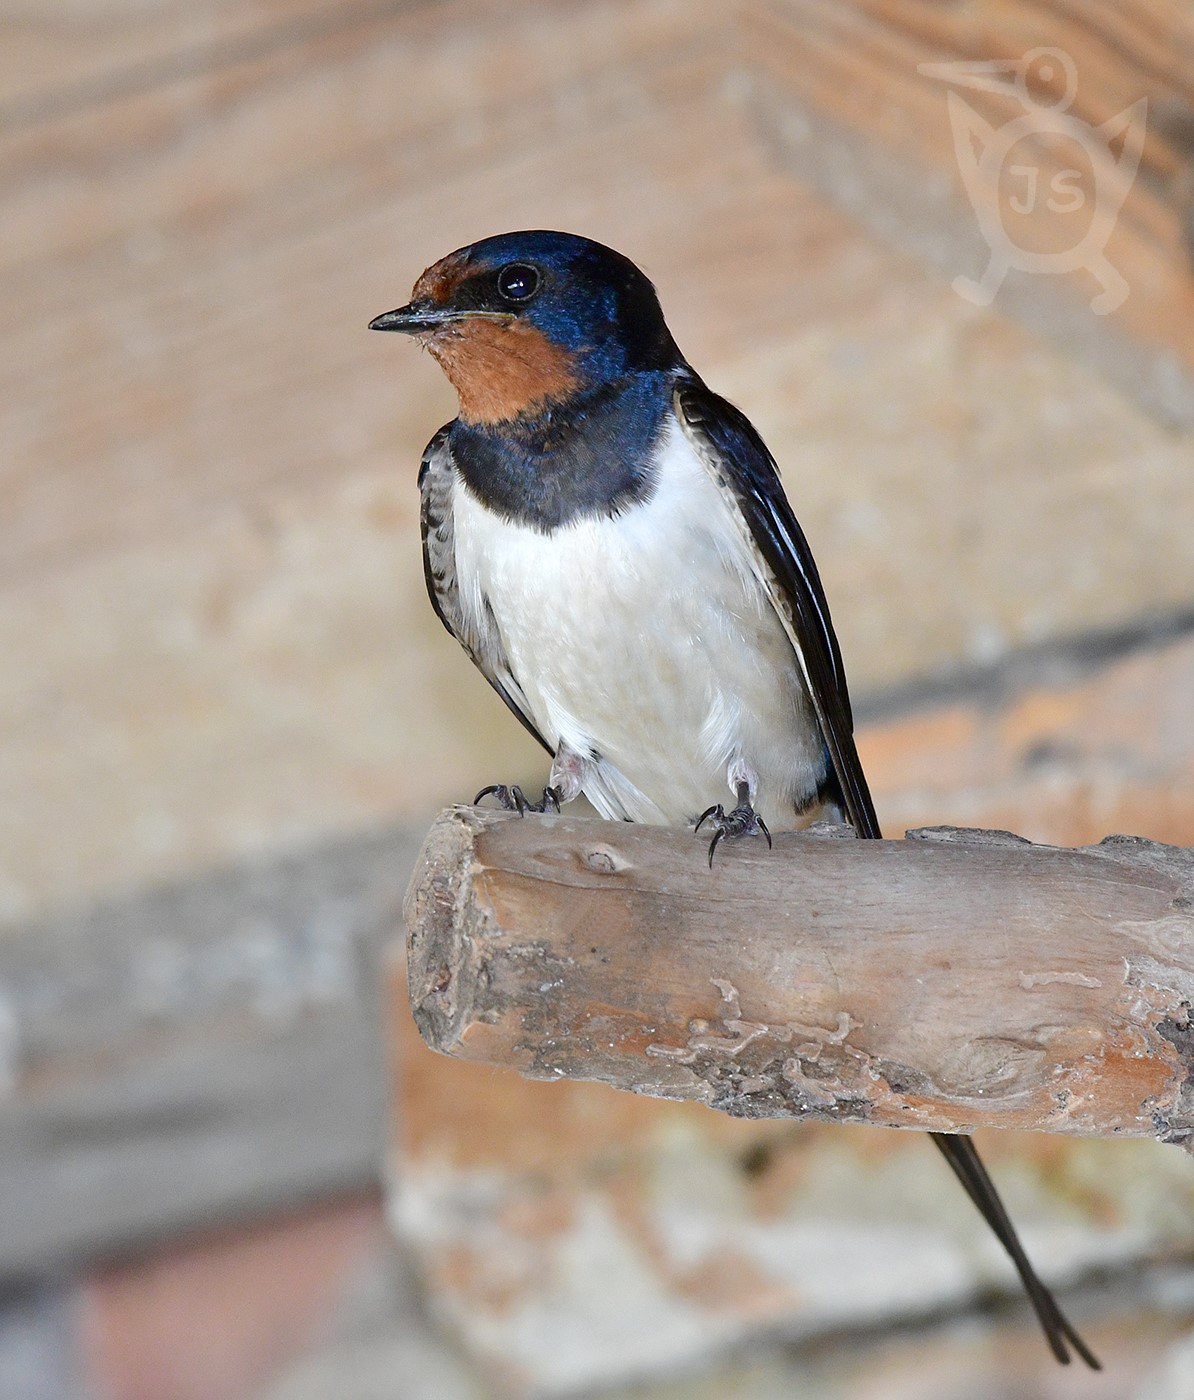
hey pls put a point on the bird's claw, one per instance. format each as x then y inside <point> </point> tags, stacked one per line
<point>513,799</point>
<point>742,821</point>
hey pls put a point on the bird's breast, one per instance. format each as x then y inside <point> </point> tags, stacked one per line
<point>646,638</point>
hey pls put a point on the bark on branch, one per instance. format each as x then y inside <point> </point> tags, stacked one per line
<point>949,981</point>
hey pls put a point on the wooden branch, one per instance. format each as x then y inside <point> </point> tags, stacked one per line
<point>952,980</point>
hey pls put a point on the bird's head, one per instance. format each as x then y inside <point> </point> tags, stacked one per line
<point>524,320</point>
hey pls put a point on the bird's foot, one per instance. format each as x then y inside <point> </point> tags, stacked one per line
<point>742,821</point>
<point>513,799</point>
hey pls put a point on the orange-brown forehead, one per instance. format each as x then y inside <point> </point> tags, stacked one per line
<point>440,281</point>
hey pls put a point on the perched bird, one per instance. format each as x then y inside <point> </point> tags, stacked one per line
<point>610,543</point>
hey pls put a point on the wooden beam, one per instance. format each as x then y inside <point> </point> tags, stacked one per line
<point>949,981</point>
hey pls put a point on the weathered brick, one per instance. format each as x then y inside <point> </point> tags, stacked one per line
<point>215,1317</point>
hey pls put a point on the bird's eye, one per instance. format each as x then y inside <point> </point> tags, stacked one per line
<point>518,281</point>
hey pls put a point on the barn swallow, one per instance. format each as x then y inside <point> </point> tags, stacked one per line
<point>610,543</point>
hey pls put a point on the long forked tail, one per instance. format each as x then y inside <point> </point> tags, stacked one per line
<point>963,1157</point>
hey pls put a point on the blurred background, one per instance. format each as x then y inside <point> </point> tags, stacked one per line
<point>228,1171</point>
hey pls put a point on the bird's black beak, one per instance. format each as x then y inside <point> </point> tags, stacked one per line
<point>418,316</point>
<point>412,318</point>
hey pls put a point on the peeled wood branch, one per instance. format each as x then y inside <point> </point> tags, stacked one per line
<point>949,981</point>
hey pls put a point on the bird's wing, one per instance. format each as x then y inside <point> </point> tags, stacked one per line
<point>742,467</point>
<point>745,471</point>
<point>474,628</point>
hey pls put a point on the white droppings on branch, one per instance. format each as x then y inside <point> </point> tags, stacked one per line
<point>1028,980</point>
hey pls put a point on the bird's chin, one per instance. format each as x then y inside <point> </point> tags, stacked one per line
<point>441,341</point>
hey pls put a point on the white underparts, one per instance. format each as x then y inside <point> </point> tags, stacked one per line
<point>647,649</point>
